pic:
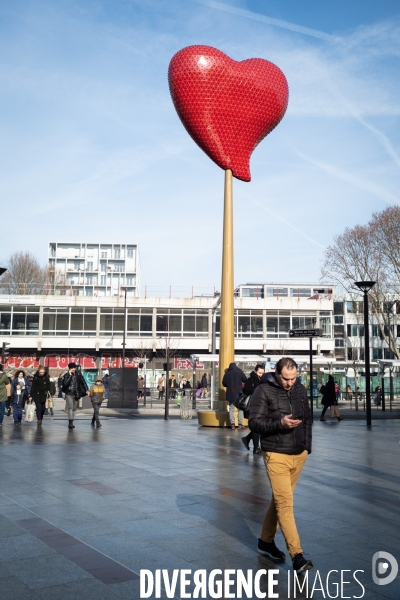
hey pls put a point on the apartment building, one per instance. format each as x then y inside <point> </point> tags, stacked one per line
<point>94,269</point>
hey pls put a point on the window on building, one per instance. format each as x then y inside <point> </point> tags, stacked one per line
<point>277,292</point>
<point>253,292</point>
<point>325,323</point>
<point>355,330</point>
<point>55,322</point>
<point>103,267</point>
<point>119,268</point>
<point>352,353</point>
<point>377,354</point>
<point>139,322</point>
<point>130,280</point>
<point>90,266</point>
<point>376,332</point>
<point>339,320</point>
<point>272,327</point>
<point>338,330</point>
<point>304,322</point>
<point>103,279</point>
<point>249,323</point>
<point>129,252</point>
<point>300,292</point>
<point>117,253</point>
<point>338,308</point>
<point>77,266</point>
<point>103,255</point>
<point>89,280</point>
<point>355,307</point>
<point>339,343</point>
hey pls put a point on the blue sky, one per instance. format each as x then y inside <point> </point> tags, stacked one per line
<point>92,149</point>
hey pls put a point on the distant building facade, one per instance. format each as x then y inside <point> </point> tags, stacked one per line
<point>94,269</point>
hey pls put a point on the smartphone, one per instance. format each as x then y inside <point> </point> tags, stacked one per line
<point>297,417</point>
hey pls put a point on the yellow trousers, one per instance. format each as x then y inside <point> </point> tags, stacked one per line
<point>283,471</point>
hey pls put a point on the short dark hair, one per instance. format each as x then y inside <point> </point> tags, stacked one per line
<point>259,367</point>
<point>287,362</point>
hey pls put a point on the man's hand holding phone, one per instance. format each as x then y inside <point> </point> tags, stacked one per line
<point>289,422</point>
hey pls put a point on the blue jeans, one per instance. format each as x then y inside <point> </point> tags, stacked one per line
<point>17,413</point>
<point>2,411</point>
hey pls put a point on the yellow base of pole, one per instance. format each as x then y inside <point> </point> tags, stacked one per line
<point>227,341</point>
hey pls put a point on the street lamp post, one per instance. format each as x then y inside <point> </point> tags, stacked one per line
<point>365,287</point>
<point>123,349</point>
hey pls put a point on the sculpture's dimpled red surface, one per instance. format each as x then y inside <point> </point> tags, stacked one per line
<point>227,107</point>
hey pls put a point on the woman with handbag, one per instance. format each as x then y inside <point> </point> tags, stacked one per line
<point>40,391</point>
<point>329,400</point>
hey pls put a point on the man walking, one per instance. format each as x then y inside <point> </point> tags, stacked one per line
<point>74,387</point>
<point>279,411</point>
<point>161,386</point>
<point>233,379</point>
<point>204,385</point>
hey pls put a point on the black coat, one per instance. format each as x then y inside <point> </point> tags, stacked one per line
<point>252,382</point>
<point>81,387</point>
<point>269,403</point>
<point>328,394</point>
<point>40,387</point>
<point>233,379</point>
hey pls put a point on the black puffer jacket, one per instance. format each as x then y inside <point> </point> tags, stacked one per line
<point>40,387</point>
<point>269,403</point>
<point>232,380</point>
<point>81,387</point>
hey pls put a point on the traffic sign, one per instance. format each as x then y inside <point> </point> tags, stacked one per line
<point>304,333</point>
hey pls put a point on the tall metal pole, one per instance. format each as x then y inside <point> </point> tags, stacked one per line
<point>166,409</point>
<point>367,361</point>
<point>311,384</point>
<point>123,353</point>
<point>214,348</point>
<point>227,342</point>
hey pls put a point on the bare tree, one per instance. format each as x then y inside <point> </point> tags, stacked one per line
<point>24,275</point>
<point>370,253</point>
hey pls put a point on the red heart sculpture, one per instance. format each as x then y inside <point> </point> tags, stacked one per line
<point>226,106</point>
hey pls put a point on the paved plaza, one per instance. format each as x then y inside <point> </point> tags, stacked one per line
<point>82,511</point>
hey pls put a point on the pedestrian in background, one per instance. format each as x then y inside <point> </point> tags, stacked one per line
<point>329,399</point>
<point>378,396</point>
<point>106,383</point>
<point>161,386</point>
<point>4,393</point>
<point>39,390</point>
<point>59,385</point>
<point>233,382</point>
<point>74,387</point>
<point>337,392</point>
<point>204,385</point>
<point>17,398</point>
<point>25,386</point>
<point>140,386</point>
<point>97,395</point>
<point>252,382</point>
<point>173,386</point>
